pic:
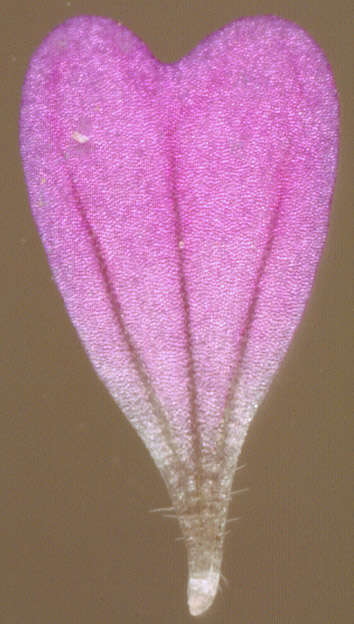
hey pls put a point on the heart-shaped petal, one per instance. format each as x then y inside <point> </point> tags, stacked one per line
<point>183,209</point>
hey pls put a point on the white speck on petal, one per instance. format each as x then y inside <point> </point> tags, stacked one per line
<point>80,138</point>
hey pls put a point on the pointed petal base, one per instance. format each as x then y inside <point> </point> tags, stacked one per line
<point>202,591</point>
<point>204,532</point>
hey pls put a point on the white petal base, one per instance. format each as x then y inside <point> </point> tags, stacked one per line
<point>202,591</point>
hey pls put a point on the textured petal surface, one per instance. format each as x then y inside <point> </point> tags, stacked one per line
<point>183,209</point>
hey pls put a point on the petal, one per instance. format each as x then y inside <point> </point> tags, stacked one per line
<point>183,209</point>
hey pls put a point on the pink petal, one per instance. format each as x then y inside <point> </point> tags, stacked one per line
<point>183,209</point>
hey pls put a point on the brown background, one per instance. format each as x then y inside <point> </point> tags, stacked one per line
<point>79,545</point>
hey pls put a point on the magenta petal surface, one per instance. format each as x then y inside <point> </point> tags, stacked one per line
<point>183,209</point>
